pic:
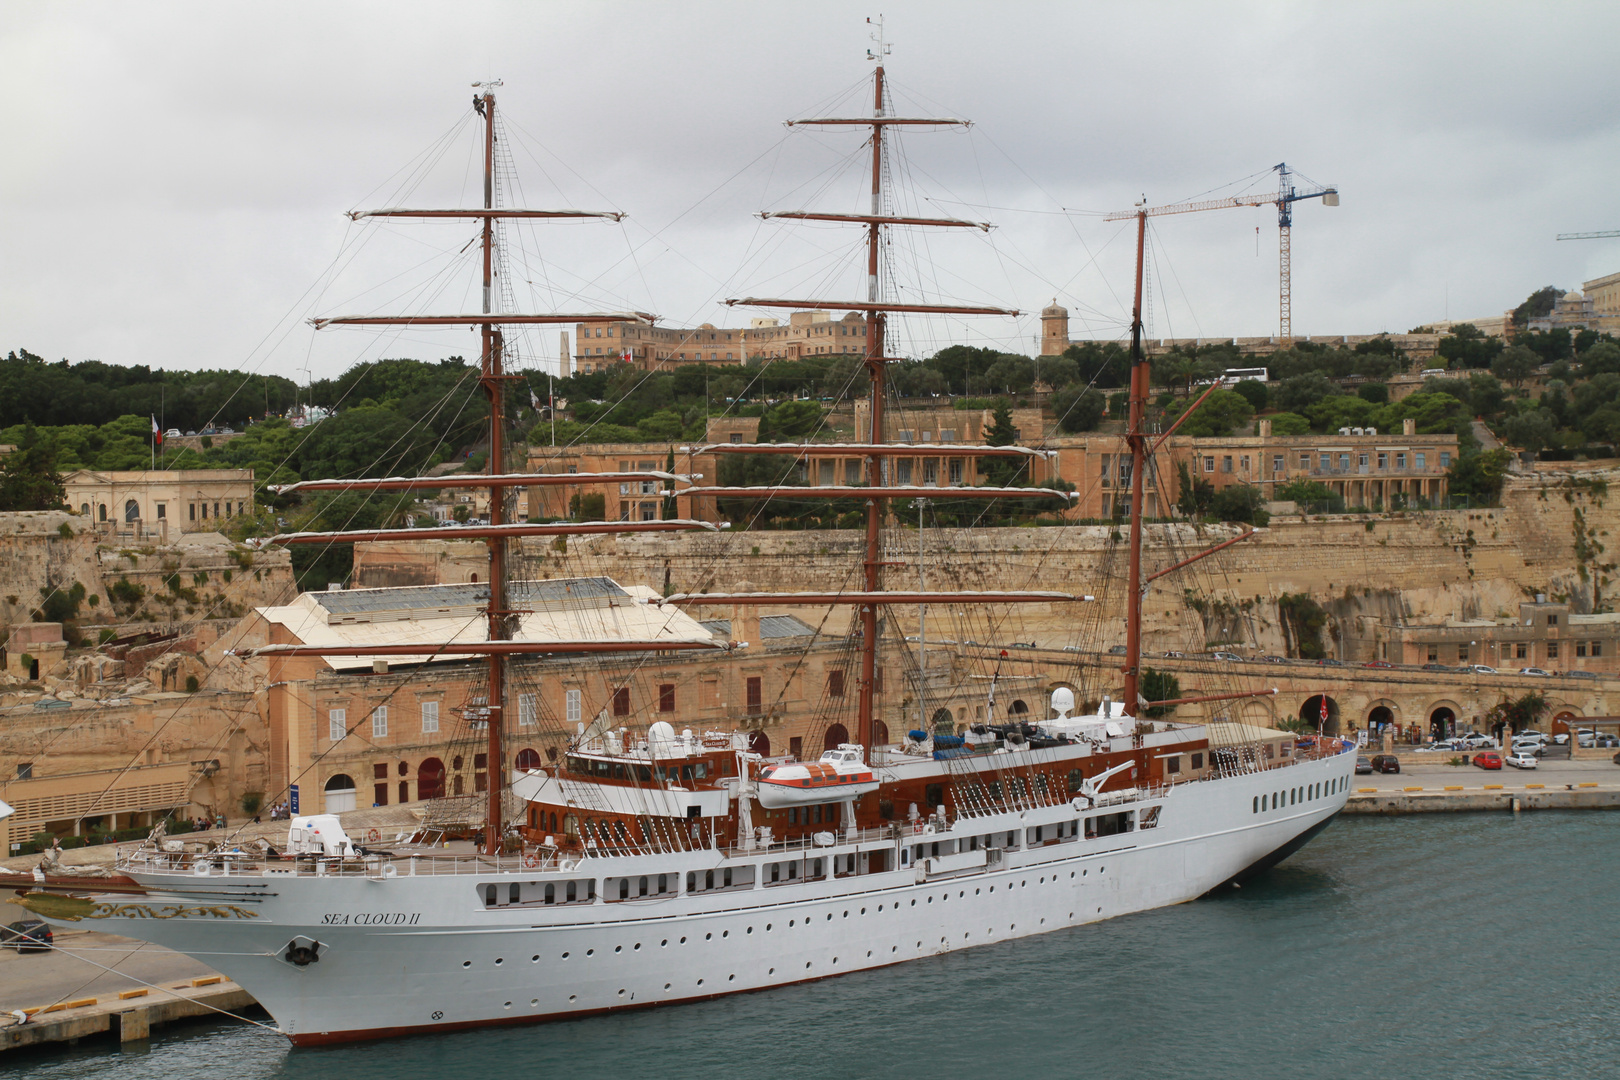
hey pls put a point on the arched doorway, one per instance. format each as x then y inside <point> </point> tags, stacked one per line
<point>1018,708</point>
<point>944,722</point>
<point>527,759</point>
<point>836,734</point>
<point>1442,722</point>
<point>1564,721</point>
<point>132,511</point>
<point>880,733</point>
<point>1379,718</point>
<point>759,743</point>
<point>339,794</point>
<point>430,779</point>
<point>1311,713</point>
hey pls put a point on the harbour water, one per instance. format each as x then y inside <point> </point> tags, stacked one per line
<point>1464,945</point>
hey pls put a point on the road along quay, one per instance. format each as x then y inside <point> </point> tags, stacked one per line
<point>1427,786</point>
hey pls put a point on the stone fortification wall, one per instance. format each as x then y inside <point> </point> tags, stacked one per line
<point>1413,566</point>
<point>192,581</point>
<point>44,549</point>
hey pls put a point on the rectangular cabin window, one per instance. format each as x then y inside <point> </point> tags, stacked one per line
<point>1172,764</point>
<point>1198,761</point>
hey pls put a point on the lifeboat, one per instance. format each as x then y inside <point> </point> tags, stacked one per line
<point>839,775</point>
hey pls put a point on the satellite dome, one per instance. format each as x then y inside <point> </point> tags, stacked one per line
<point>1062,701</point>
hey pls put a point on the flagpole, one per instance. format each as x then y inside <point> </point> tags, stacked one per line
<point>551,400</point>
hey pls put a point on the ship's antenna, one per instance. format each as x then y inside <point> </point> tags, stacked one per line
<point>883,47</point>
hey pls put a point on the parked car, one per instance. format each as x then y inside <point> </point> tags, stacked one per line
<point>1268,658</point>
<point>1488,759</point>
<point>172,433</point>
<point>1522,736</point>
<point>1328,661</point>
<point>1606,742</point>
<point>1378,663</point>
<point>1533,671</point>
<point>1444,746</point>
<point>1479,669</point>
<point>1386,763</point>
<point>1227,656</point>
<point>1580,674</point>
<point>1173,654</point>
<point>1560,737</point>
<point>1521,761</point>
<point>1585,737</point>
<point>1476,741</point>
<point>1117,650</point>
<point>1364,765</point>
<point>27,935</point>
<point>1435,667</point>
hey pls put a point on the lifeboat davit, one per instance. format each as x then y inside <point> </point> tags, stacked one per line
<point>839,775</point>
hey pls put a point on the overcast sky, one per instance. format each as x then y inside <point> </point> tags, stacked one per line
<point>174,175</point>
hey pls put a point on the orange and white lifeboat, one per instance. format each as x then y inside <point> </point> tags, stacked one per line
<point>840,774</point>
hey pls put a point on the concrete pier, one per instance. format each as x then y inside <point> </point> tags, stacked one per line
<point>128,1017</point>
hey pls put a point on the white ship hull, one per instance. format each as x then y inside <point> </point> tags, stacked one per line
<point>408,954</point>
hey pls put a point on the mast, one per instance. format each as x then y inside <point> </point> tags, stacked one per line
<point>1137,439</point>
<point>493,380</point>
<point>865,729</point>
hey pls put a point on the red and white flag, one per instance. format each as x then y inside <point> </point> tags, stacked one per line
<point>157,433</point>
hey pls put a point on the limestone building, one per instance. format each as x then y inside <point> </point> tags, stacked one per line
<point>648,348</point>
<point>153,503</point>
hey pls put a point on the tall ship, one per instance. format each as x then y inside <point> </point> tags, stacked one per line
<point>657,865</point>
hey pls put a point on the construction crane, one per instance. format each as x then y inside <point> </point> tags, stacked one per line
<point>1285,198</point>
<point>1605,235</point>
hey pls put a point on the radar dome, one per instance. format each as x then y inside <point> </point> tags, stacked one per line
<point>1062,702</point>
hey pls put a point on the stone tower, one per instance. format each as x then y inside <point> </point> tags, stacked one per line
<point>1054,329</point>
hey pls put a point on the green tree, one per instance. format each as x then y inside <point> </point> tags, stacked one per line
<point>1011,374</point>
<point>1479,476</point>
<point>1515,365</point>
<point>1310,495</point>
<point>1375,392</point>
<point>1254,392</point>
<point>1288,423</point>
<point>1298,393</point>
<point>1078,408</point>
<point>1240,502</point>
<point>1304,620</point>
<point>1532,431</point>
<point>1056,371</point>
<point>1193,494</point>
<point>1159,685</point>
<point>1000,472</point>
<point>1466,347</point>
<point>1537,305</point>
<point>791,421</point>
<point>28,476</point>
<point>1220,413</point>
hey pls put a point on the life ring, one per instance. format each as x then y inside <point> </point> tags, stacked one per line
<point>531,859</point>
<point>373,836</point>
<point>916,826</point>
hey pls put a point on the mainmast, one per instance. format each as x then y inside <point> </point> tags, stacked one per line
<point>1136,438</point>
<point>492,380</point>
<point>876,323</point>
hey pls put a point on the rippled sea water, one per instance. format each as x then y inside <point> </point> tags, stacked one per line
<point>1418,947</point>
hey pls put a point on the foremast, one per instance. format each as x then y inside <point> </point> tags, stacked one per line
<point>499,615</point>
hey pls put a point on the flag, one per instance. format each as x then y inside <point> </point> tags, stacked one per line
<point>1323,712</point>
<point>534,400</point>
<point>157,433</point>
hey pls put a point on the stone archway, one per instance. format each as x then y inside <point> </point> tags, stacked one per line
<point>1564,721</point>
<point>759,743</point>
<point>1311,713</point>
<point>1442,721</point>
<point>836,734</point>
<point>430,779</point>
<point>1380,717</point>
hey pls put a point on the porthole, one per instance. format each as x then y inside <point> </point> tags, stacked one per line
<point>590,952</point>
<point>914,902</point>
<point>750,929</point>
<point>572,998</point>
<point>846,914</point>
<point>535,959</point>
<point>869,954</point>
<point>725,933</point>
<point>767,928</point>
<point>708,937</point>
<point>466,963</point>
<point>666,987</point>
<point>533,1002</point>
<point>829,916</point>
<point>683,941</point>
<point>731,978</point>
<point>618,948</point>
<point>790,922</point>
<point>700,982</point>
<point>772,971</point>
<point>894,948</point>
<point>930,899</point>
<point>499,961</point>
<point>621,992</point>
<point>835,960</point>
<point>664,944</point>
<point>565,956</point>
<point>807,965</point>
<point>863,911</point>
<point>637,947</point>
<point>508,1005</point>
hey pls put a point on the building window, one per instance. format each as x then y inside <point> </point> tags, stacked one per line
<point>649,511</point>
<point>1344,462</point>
<point>1278,465</point>
<point>1434,653</point>
<point>571,706</point>
<point>1580,648</point>
<point>756,696</point>
<point>430,717</point>
<point>1209,466</point>
<point>621,701</point>
<point>1552,620</point>
<point>1400,461</point>
<point>835,683</point>
<point>1325,464</point>
<point>25,770</point>
<point>1445,459</point>
<point>1361,461</point>
<point>162,511</point>
<point>955,473</point>
<point>192,507</point>
<point>379,721</point>
<point>216,511</point>
<point>1462,653</point>
<point>1243,463</point>
<point>528,713</point>
<point>337,724</point>
<point>1552,650</point>
<point>1597,648</point>
<point>1519,651</point>
<point>1226,463</point>
<point>666,697</point>
<point>1420,461</point>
